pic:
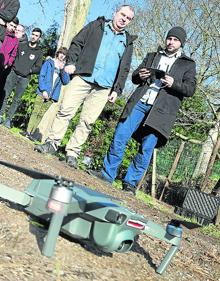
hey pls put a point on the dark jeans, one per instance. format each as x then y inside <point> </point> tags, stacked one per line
<point>18,84</point>
<point>122,135</point>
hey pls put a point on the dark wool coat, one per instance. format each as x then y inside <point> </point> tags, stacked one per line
<point>163,113</point>
<point>8,11</point>
<point>84,49</point>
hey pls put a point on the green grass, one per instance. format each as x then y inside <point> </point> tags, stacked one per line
<point>146,198</point>
<point>211,230</point>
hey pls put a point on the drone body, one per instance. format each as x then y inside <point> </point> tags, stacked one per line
<point>85,214</point>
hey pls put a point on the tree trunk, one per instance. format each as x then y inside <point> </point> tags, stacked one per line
<point>211,164</point>
<point>206,153</point>
<point>74,18</point>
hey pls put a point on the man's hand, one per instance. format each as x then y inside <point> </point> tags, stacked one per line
<point>45,95</point>
<point>144,73</point>
<point>70,69</point>
<point>167,81</point>
<point>112,97</point>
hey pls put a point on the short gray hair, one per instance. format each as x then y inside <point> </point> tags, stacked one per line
<point>129,6</point>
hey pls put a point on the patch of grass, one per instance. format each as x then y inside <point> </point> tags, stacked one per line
<point>192,220</point>
<point>58,270</point>
<point>152,203</point>
<point>147,199</point>
<point>15,130</point>
<point>211,230</point>
<point>117,184</point>
<point>36,223</point>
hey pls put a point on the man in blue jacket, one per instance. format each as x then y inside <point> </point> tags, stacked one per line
<point>100,58</point>
<point>52,77</point>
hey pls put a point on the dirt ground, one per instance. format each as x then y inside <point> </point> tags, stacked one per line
<point>20,255</point>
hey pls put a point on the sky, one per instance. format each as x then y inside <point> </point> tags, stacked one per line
<point>32,14</point>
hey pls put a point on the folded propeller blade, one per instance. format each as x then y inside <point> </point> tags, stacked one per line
<point>29,172</point>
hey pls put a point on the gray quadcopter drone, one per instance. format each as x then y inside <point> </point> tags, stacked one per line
<point>85,214</point>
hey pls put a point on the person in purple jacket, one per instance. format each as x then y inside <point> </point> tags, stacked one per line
<point>8,51</point>
<point>9,45</point>
<point>52,77</point>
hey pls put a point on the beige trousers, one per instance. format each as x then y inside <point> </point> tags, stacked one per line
<point>46,122</point>
<point>92,98</point>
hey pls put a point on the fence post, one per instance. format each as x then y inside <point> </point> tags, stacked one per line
<point>154,174</point>
<point>173,168</point>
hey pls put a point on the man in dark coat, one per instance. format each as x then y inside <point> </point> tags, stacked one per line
<point>8,11</point>
<point>99,57</point>
<point>164,78</point>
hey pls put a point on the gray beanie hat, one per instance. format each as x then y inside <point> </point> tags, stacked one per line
<point>179,33</point>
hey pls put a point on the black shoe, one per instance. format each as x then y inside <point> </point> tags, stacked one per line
<point>71,161</point>
<point>128,187</point>
<point>47,147</point>
<point>26,135</point>
<point>32,138</point>
<point>98,174</point>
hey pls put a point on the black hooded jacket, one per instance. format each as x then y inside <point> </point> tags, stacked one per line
<point>84,49</point>
<point>28,60</point>
<point>8,11</point>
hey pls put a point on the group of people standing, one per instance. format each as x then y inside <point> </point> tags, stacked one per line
<point>95,71</point>
<point>20,59</point>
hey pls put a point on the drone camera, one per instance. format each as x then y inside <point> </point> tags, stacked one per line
<point>125,246</point>
<point>115,217</point>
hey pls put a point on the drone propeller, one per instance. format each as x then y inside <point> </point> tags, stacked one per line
<point>42,176</point>
<point>29,172</point>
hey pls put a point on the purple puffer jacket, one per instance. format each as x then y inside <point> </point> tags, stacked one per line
<point>8,49</point>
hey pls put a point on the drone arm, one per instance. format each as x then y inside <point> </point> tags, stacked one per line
<point>58,203</point>
<point>172,234</point>
<point>53,232</point>
<point>157,231</point>
<point>15,196</point>
<point>167,259</point>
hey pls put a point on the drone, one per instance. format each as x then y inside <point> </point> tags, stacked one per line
<point>85,214</point>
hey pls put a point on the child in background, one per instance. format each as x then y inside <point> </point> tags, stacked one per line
<point>52,77</point>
